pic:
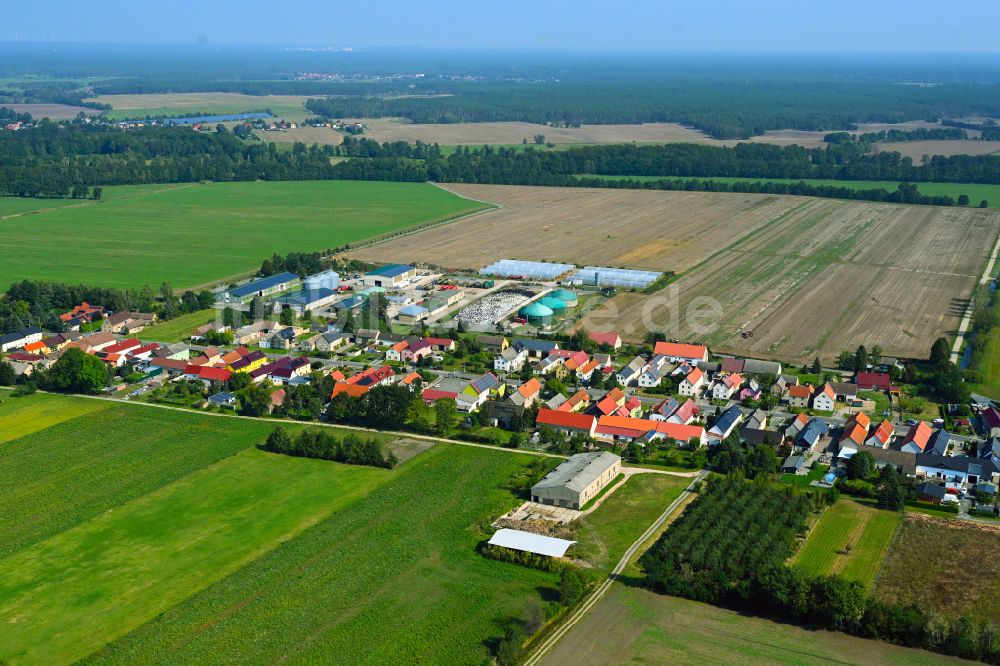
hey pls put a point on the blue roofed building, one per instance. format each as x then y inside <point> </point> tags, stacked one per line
<point>811,434</point>
<point>391,275</point>
<point>724,425</point>
<point>271,284</point>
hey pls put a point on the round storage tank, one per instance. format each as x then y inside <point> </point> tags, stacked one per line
<point>556,305</point>
<point>537,314</point>
<point>313,283</point>
<point>566,296</point>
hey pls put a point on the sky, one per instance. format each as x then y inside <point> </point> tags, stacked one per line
<point>739,25</point>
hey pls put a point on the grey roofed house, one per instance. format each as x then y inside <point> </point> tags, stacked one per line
<point>752,366</point>
<point>991,450</point>
<point>928,489</point>
<point>793,464</point>
<point>602,358</point>
<point>904,462</point>
<point>364,335</point>
<point>812,432</point>
<point>538,348</point>
<point>845,390</point>
<point>222,398</point>
<point>756,420</point>
<point>965,466</point>
<point>490,342</point>
<point>577,480</point>
<point>709,366</point>
<point>756,436</point>
<point>556,400</point>
<point>938,443</point>
<point>726,422</point>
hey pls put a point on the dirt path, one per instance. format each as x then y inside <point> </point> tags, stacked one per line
<point>91,202</point>
<point>963,326</point>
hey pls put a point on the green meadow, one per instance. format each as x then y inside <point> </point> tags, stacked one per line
<point>198,234</point>
<point>25,415</point>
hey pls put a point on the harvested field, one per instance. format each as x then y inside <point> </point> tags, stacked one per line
<point>963,575</point>
<point>665,231</point>
<point>631,625</point>
<point>917,149</point>
<point>825,277</point>
<point>53,111</point>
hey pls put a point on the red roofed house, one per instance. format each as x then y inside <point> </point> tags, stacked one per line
<point>882,435</point>
<point>527,393</point>
<point>440,344</point>
<point>569,422</point>
<point>431,396</point>
<point>614,427</point>
<point>612,340</point>
<point>351,390</point>
<point>679,353</point>
<point>726,386</point>
<point>682,432</point>
<point>799,396</point>
<point>916,439</point>
<point>875,381</point>
<point>990,417</point>
<point>577,402</point>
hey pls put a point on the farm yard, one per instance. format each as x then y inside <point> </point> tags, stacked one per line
<point>632,625</point>
<point>959,574</point>
<point>288,107</point>
<point>850,539</point>
<point>651,230</point>
<point>162,233</point>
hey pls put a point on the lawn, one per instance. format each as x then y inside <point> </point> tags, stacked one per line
<point>607,533</point>
<point>814,474</point>
<point>851,540</point>
<point>632,625</point>
<point>393,578</point>
<point>27,414</point>
<point>976,191</point>
<point>179,328</point>
<point>194,235</point>
<point>945,565</point>
<point>54,479</point>
<point>72,594</point>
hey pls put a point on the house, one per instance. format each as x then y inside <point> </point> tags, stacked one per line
<point>577,402</point>
<point>990,418</point>
<point>757,420</point>
<point>854,434</point>
<point>261,288</point>
<point>412,314</point>
<point>586,371</point>
<point>875,381</point>
<point>416,351</point>
<point>651,376</point>
<point>253,333</point>
<point>614,428</point>
<point>366,336</point>
<point>631,372</point>
<point>94,343</point>
<point>37,347</point>
<point>812,434</point>
<point>990,450</point>
<point>800,396</point>
<point>492,343</point>
<point>724,425</point>
<point>757,436</point>
<point>930,492</point>
<point>19,339</point>
<point>430,396</point>
<point>536,348</point>
<point>612,339</point>
<point>610,403</point>
<point>527,393</point>
<point>395,352</point>
<point>83,313</point>
<point>207,374</point>
<point>577,480</point>
<point>825,399</point>
<point>938,443</point>
<point>556,402</point>
<point>331,340</point>
<point>248,362</point>
<point>794,464</point>
<point>782,383</point>
<point>752,366</point>
<point>572,423</point>
<point>680,353</point>
<point>725,386</point>
<point>308,344</point>
<point>277,398</point>
<point>882,435</point>
<point>845,391</point>
<point>905,463</point>
<point>673,411</point>
<point>692,383</point>
<point>281,339</point>
<point>751,391</point>
<point>127,322</point>
<point>440,344</point>
<point>796,426</point>
<point>389,276</point>
<point>688,435</point>
<point>286,370</point>
<point>223,398</point>
<point>511,359</point>
<point>171,366</point>
<point>957,469</point>
<point>60,340</point>
<point>916,439</point>
<point>350,390</point>
<point>478,391</point>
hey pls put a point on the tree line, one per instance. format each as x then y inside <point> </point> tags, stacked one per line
<point>319,443</point>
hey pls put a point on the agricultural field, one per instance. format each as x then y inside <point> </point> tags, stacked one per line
<point>53,111</point>
<point>637,229</point>
<point>393,578</point>
<point>917,149</point>
<point>179,328</point>
<point>824,277</point>
<point>13,206</point>
<point>288,107</point>
<point>191,235</point>
<point>850,539</point>
<point>633,625</point>
<point>950,566</point>
<point>24,415</point>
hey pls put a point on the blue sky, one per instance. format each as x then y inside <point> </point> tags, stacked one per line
<point>766,25</point>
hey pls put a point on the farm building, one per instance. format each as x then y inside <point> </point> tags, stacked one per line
<point>681,353</point>
<point>307,299</point>
<point>605,276</point>
<point>538,270</point>
<point>568,422</point>
<point>262,287</point>
<point>557,305</point>
<point>20,339</point>
<point>530,542</point>
<point>574,482</point>
<point>392,275</point>
<point>537,314</point>
<point>568,297</point>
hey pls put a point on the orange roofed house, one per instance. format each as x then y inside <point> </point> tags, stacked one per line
<point>680,353</point>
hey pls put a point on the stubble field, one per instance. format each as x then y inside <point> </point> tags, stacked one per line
<point>53,111</point>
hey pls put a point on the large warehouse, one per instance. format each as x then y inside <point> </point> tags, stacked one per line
<point>393,275</point>
<point>578,480</point>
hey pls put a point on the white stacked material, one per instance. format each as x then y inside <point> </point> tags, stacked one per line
<point>493,307</point>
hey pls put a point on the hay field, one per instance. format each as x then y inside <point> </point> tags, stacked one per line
<point>667,231</point>
<point>53,111</point>
<point>825,277</point>
<point>289,107</point>
<point>917,149</point>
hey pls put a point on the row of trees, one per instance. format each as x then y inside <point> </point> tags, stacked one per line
<point>320,443</point>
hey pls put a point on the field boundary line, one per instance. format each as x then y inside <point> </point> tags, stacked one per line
<point>91,202</point>
<point>581,611</point>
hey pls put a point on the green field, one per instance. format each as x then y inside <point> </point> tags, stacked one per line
<point>851,540</point>
<point>976,191</point>
<point>150,554</point>
<point>178,328</point>
<point>56,478</point>
<point>394,578</point>
<point>192,235</point>
<point>607,533</point>
<point>18,206</point>
<point>634,626</point>
<point>27,414</point>
<point>287,107</point>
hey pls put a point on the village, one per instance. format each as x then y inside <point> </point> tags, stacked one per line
<point>503,351</point>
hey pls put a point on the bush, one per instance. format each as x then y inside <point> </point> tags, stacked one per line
<point>857,488</point>
<point>319,443</point>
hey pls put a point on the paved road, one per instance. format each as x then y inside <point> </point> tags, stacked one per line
<point>580,611</point>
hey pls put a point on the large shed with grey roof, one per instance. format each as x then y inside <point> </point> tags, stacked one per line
<point>576,481</point>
